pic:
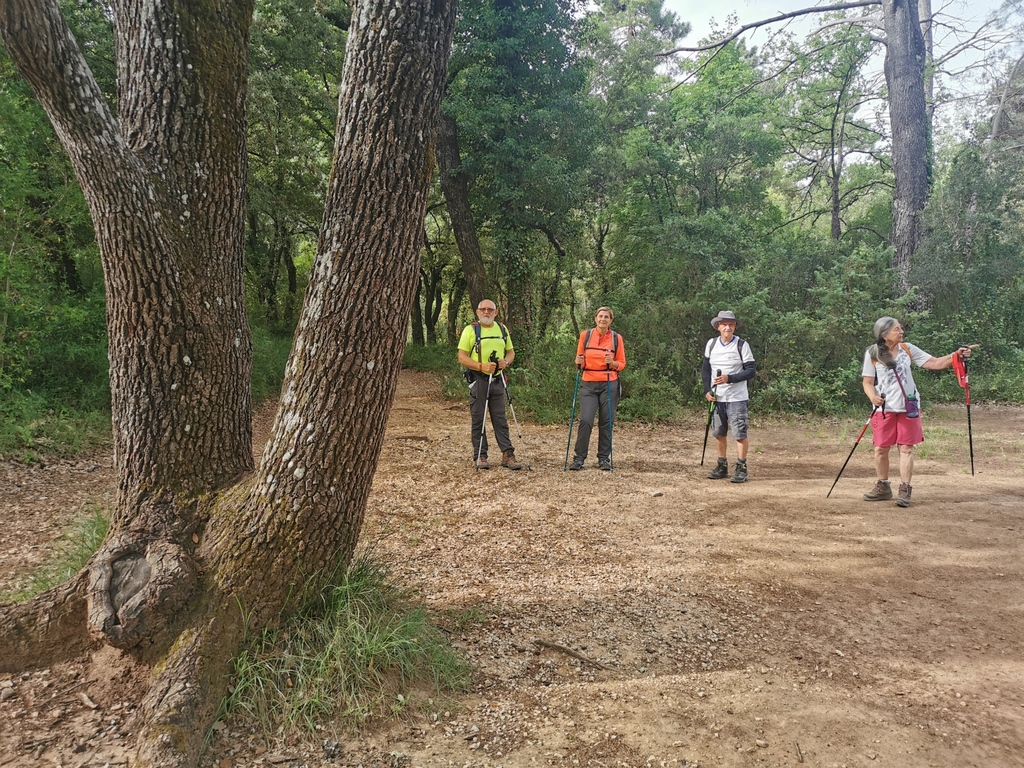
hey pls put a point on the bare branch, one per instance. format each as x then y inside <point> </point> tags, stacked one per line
<point>997,118</point>
<point>773,20</point>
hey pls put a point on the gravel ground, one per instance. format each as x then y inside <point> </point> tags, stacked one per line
<point>641,617</point>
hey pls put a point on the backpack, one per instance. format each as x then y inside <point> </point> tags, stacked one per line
<point>477,329</point>
<point>739,347</point>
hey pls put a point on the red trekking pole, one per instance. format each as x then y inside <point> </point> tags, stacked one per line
<point>960,366</point>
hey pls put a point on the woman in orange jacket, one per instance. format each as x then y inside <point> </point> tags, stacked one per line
<point>600,356</point>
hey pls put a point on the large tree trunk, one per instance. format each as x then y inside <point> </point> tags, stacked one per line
<point>165,187</point>
<point>904,76</point>
<point>184,573</point>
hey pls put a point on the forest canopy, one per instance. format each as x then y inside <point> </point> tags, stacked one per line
<point>590,167</point>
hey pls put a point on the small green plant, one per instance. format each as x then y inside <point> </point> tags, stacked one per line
<point>359,656</point>
<point>71,552</point>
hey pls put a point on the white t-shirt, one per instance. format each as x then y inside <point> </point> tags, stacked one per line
<point>885,378</point>
<point>728,359</point>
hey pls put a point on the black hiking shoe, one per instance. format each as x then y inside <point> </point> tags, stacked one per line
<point>721,470</point>
<point>604,464</point>
<point>740,475</point>
<point>577,464</point>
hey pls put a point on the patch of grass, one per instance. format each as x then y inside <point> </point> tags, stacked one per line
<point>32,428</point>
<point>71,552</point>
<point>363,655</point>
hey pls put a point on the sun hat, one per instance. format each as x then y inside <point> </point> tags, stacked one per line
<point>724,315</point>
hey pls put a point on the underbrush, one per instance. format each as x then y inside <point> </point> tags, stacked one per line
<point>78,542</point>
<point>33,426</point>
<point>368,652</point>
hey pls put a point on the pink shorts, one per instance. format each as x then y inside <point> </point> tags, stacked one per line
<point>889,429</point>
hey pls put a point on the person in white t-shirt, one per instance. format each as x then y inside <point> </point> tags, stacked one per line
<point>728,366</point>
<point>896,419</point>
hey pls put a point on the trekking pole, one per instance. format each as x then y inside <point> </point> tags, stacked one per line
<point>519,432</point>
<point>483,424</point>
<point>960,366</point>
<point>855,444</point>
<point>707,427</point>
<point>611,462</point>
<point>572,417</point>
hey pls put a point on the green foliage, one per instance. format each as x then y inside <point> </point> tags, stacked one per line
<point>297,51</point>
<point>31,427</point>
<point>542,389</point>
<point>516,89</point>
<point>71,552</point>
<point>363,653</point>
<point>269,357</point>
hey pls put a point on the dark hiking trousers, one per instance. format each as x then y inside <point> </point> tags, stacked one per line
<point>495,409</point>
<point>594,402</point>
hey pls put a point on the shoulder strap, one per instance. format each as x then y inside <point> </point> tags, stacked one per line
<point>615,341</point>
<point>477,330</point>
<point>739,347</point>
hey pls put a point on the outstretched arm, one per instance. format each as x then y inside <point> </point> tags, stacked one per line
<point>941,363</point>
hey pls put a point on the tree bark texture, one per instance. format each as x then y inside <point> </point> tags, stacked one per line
<point>274,544</point>
<point>185,572</point>
<point>904,76</point>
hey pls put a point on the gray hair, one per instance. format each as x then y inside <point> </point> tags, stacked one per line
<point>880,350</point>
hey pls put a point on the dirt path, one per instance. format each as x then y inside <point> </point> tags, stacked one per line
<point>649,616</point>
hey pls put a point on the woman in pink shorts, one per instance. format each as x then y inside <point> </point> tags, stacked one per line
<point>896,420</point>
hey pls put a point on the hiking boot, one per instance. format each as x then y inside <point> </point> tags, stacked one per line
<point>508,459</point>
<point>740,475</point>
<point>721,470</point>
<point>577,464</point>
<point>604,464</point>
<point>482,463</point>
<point>881,492</point>
<point>903,500</point>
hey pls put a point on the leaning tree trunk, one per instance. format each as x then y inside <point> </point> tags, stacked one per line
<point>904,76</point>
<point>184,573</point>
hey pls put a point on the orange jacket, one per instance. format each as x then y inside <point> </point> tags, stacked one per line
<point>594,366</point>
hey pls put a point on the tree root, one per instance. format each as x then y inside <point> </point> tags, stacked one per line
<point>48,628</point>
<point>182,702</point>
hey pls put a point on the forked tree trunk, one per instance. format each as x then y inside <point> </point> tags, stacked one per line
<point>185,573</point>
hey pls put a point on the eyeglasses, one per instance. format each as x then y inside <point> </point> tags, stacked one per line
<point>487,309</point>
